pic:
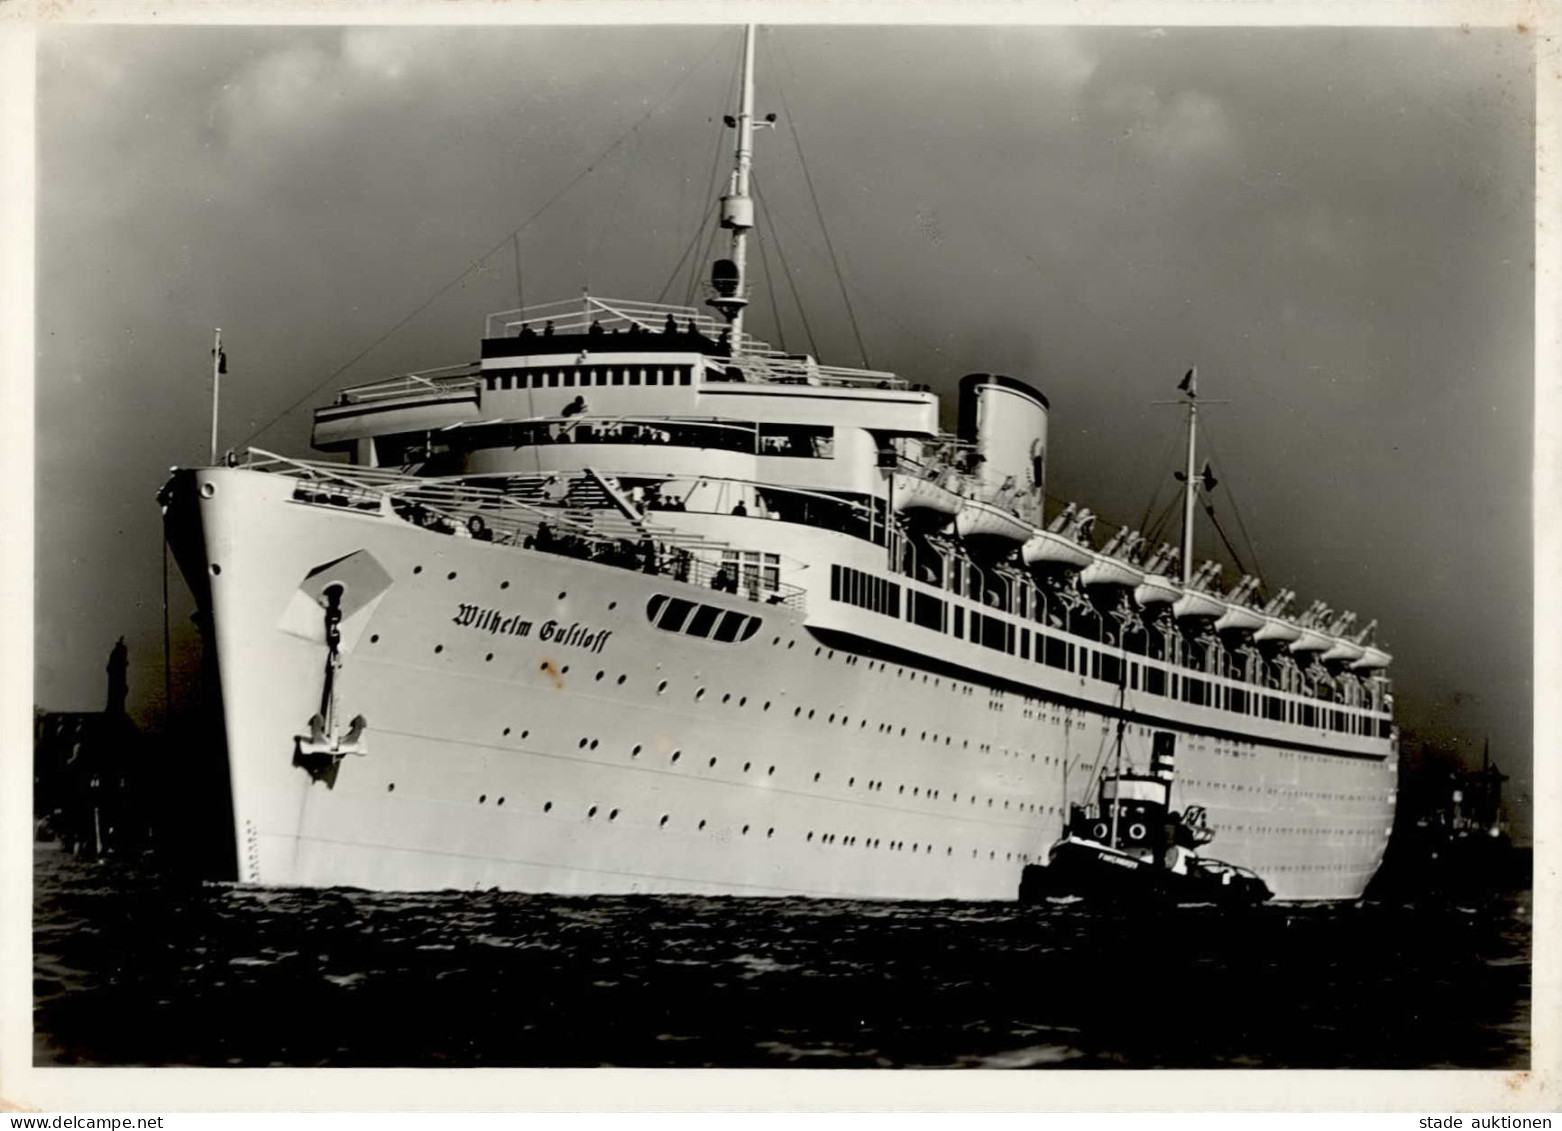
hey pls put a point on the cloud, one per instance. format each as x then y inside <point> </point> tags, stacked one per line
<point>1186,126</point>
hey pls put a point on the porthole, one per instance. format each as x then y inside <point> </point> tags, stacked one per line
<point>563,595</point>
<point>488,659</point>
<point>663,822</point>
<point>613,816</point>
<point>499,802</point>
<point>743,701</point>
<point>506,730</point>
<point>599,676</point>
<point>525,733</point>
<point>593,744</point>
<point>611,605</point>
<point>582,744</point>
<point>677,754</point>
<point>621,679</point>
<point>698,695</point>
<point>770,772</point>
<point>438,648</point>
<point>702,825</point>
<point>391,788</point>
<point>417,569</point>
<point>504,585</point>
<point>809,837</point>
<point>451,576</point>
<point>770,832</point>
<point>547,806</point>
<point>746,766</point>
<point>745,830</point>
<point>661,688</point>
<point>767,705</point>
<point>713,763</point>
<point>592,812</point>
<point>635,753</point>
<point>375,639</point>
<point>542,667</point>
<point>816,777</point>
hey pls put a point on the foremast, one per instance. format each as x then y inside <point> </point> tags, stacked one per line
<point>729,277</point>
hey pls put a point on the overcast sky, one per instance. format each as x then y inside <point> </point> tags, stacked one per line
<point>1336,225</point>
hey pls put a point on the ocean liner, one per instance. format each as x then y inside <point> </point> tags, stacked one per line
<point>638,603</point>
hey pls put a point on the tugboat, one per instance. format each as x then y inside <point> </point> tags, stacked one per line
<point>1131,846</point>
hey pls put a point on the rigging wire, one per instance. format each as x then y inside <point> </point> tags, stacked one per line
<point>590,168</point>
<point>786,269</point>
<point>770,290</point>
<point>1209,509</point>
<point>702,233</point>
<point>910,332</point>
<point>698,237</point>
<point>1258,567</point>
<point>520,289</point>
<point>1165,459</point>
<point>840,277</point>
<point>601,236</point>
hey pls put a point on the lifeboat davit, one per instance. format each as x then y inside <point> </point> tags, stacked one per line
<point>977,519</point>
<point>1156,590</point>
<point>1371,659</point>
<point>1193,605</point>
<point>1104,570</point>
<point>1239,618</point>
<point>1311,640</point>
<point>1276,631</point>
<point>1048,548</point>
<point>922,498</point>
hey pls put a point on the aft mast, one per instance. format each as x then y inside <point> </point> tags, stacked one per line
<point>1190,386</point>
<point>729,277</point>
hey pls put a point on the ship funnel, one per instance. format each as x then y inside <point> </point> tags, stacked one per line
<point>1006,421</point>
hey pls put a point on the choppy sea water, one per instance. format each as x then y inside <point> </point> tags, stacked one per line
<point>133,968</point>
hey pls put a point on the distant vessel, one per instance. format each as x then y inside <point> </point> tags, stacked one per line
<point>641,604</point>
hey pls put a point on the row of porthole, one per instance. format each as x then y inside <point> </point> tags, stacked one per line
<point>850,841</point>
<point>826,838</point>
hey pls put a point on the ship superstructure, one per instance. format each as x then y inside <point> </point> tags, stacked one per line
<point>640,604</point>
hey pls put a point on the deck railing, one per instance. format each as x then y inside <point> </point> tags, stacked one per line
<point>756,359</point>
<point>447,379</point>
<point>568,514</point>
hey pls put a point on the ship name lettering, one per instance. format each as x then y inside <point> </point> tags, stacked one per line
<point>576,635</point>
<point>491,621</point>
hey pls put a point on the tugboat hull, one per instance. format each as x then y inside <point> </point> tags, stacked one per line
<point>1097,873</point>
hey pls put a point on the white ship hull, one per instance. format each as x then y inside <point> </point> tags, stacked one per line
<point>808,759</point>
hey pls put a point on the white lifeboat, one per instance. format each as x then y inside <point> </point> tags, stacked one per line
<point>1344,652</point>
<point>1155,590</point>
<point>917,496</point>
<point>1277,631</point>
<point>1193,605</point>
<point>1372,658</point>
<point>977,519</point>
<point>1104,570</point>
<point>1240,618</point>
<point>1311,640</point>
<point>1048,548</point>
